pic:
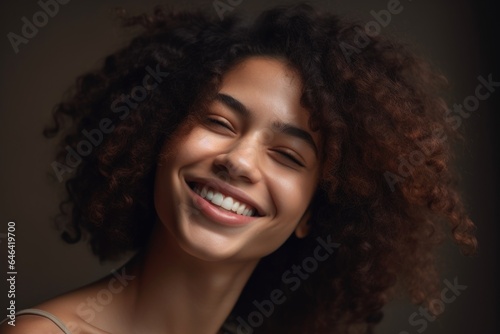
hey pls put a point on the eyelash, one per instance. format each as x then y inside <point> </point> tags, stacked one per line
<point>291,158</point>
<point>219,122</point>
<point>283,153</point>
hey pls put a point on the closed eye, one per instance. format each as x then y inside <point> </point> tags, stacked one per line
<point>220,122</point>
<point>290,157</point>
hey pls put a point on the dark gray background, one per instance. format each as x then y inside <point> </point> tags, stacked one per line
<point>459,37</point>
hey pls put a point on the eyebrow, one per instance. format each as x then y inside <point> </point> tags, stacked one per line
<point>233,104</point>
<point>278,126</point>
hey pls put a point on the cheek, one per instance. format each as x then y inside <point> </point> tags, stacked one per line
<point>180,152</point>
<point>195,146</point>
<point>292,195</point>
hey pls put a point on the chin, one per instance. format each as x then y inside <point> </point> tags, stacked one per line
<point>204,243</point>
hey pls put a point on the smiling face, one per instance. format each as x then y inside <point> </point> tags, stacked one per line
<point>239,182</point>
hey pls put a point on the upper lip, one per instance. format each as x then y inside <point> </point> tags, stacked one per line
<point>229,190</point>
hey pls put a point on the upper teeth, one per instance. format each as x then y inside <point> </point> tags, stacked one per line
<point>223,201</point>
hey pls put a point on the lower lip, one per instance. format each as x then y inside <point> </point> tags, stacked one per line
<point>217,214</point>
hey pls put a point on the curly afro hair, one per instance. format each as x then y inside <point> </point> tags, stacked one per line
<point>386,195</point>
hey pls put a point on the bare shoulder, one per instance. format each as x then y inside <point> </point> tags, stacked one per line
<point>36,324</point>
<point>30,324</point>
<point>71,309</point>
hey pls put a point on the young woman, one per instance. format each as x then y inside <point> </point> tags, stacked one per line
<point>272,177</point>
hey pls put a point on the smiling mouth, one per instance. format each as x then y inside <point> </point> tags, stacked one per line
<point>223,201</point>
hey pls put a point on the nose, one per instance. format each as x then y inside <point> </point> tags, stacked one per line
<point>240,162</point>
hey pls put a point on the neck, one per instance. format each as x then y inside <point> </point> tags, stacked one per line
<point>177,293</point>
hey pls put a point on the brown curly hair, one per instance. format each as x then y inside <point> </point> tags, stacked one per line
<point>378,107</point>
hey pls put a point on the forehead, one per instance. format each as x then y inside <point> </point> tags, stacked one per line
<point>270,89</point>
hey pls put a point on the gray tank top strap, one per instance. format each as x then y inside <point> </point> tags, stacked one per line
<point>50,316</point>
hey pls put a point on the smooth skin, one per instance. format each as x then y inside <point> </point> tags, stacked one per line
<point>254,137</point>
